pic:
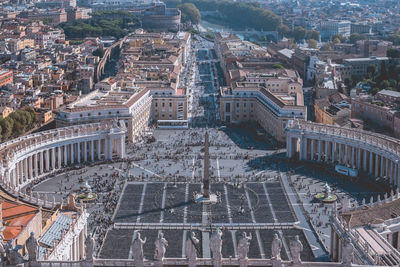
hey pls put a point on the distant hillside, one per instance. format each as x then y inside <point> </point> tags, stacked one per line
<point>236,15</point>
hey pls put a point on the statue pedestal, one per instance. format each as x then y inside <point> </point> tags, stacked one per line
<point>276,263</point>
<point>217,263</point>
<point>139,263</point>
<point>158,263</point>
<point>192,263</point>
<point>243,262</point>
<point>87,263</point>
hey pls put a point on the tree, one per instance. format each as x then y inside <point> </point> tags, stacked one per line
<point>298,33</point>
<point>336,41</point>
<point>348,82</point>
<point>313,34</point>
<point>385,84</point>
<point>312,43</point>
<point>356,37</point>
<point>393,53</point>
<point>326,47</point>
<point>283,30</point>
<point>374,90</point>
<point>190,12</point>
<point>371,70</point>
<point>341,38</point>
<point>383,75</point>
<point>99,52</point>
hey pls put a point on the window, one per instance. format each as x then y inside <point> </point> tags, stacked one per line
<point>228,107</point>
<point>156,104</point>
<point>99,113</point>
<point>80,115</point>
<point>170,104</point>
<point>88,114</point>
<point>163,104</point>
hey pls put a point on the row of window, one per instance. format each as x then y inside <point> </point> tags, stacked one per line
<point>89,114</point>
<point>163,104</point>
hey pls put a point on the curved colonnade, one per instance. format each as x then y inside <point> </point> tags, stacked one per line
<point>372,153</point>
<point>27,158</point>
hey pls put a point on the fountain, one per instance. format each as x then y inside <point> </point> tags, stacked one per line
<point>87,195</point>
<point>327,196</point>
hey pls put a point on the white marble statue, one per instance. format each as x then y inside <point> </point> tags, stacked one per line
<point>138,250</point>
<point>89,247</point>
<point>276,247</point>
<point>296,247</point>
<point>348,253</point>
<point>32,246</point>
<point>161,245</point>
<point>190,246</point>
<point>244,245</point>
<point>216,245</point>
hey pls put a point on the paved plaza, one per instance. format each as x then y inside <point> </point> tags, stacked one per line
<point>258,190</point>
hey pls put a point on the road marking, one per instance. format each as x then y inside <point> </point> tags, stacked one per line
<point>146,170</point>
<point>130,256</point>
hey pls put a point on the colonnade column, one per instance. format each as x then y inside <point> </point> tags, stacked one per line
<point>35,164</point>
<point>85,151</point>
<point>352,156</point>
<point>333,151</point>
<point>376,165</point>
<point>99,149</point>
<point>312,148</point>
<point>382,167</point>
<point>92,150</point>
<point>371,162</point>
<point>346,154</point>
<point>47,160</point>
<point>30,167</point>
<point>326,151</point>
<point>110,148</point>
<point>59,157</point>
<point>79,151</point>
<point>365,160</point>
<point>53,158</point>
<point>319,149</point>
<point>122,150</point>
<point>25,160</point>
<point>72,153</point>
<point>65,154</point>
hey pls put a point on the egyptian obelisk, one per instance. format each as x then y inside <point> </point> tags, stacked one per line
<point>206,179</point>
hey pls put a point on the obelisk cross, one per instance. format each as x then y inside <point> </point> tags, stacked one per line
<point>206,179</point>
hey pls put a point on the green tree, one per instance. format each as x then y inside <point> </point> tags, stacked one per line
<point>283,30</point>
<point>336,41</point>
<point>385,84</point>
<point>99,52</point>
<point>393,53</point>
<point>383,75</point>
<point>374,90</point>
<point>326,47</point>
<point>371,70</point>
<point>190,12</point>
<point>356,37</point>
<point>312,43</point>
<point>341,38</point>
<point>298,33</point>
<point>312,34</point>
<point>348,82</point>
